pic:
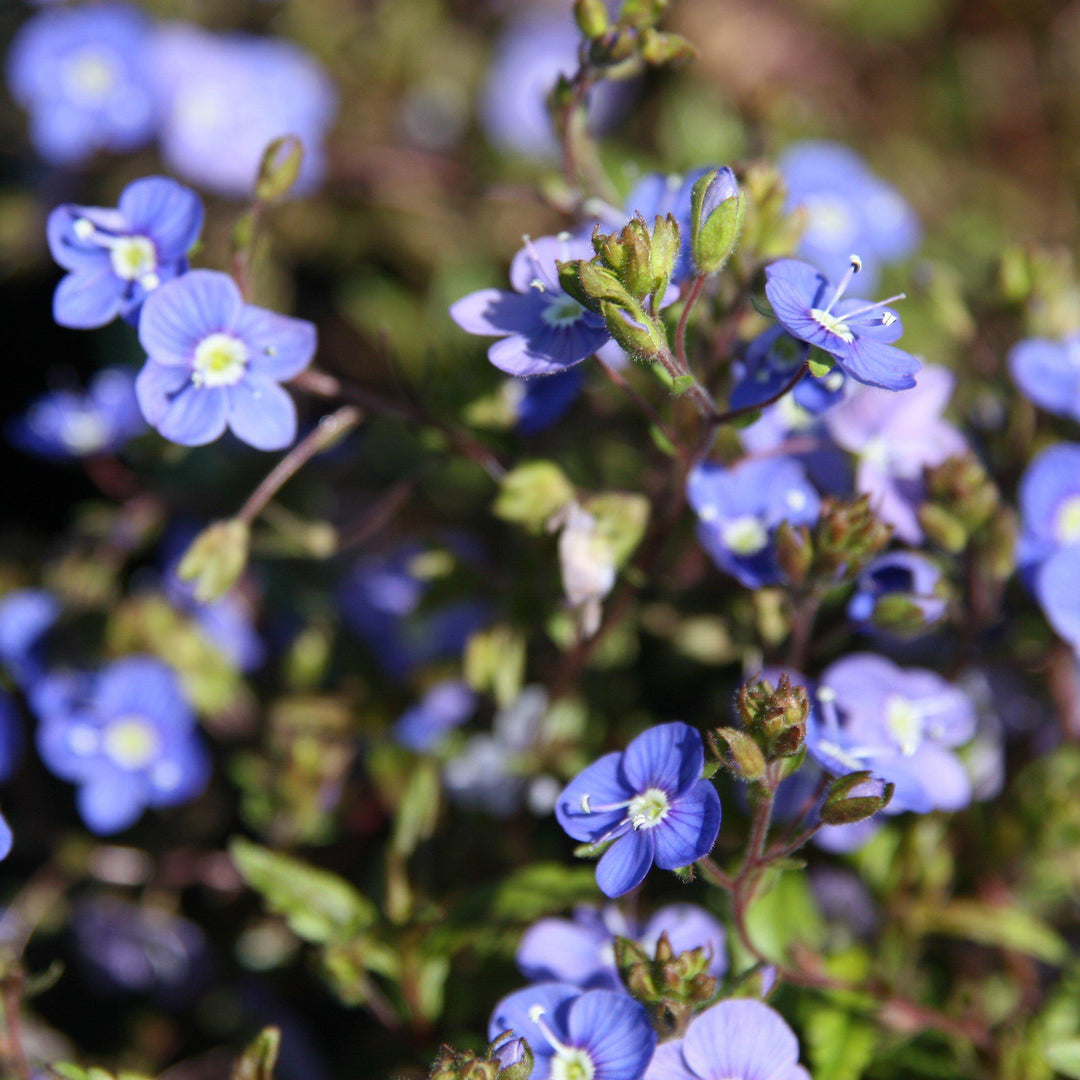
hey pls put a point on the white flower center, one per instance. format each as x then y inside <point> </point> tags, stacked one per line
<point>134,258</point>
<point>562,311</point>
<point>905,723</point>
<point>648,809</point>
<point>1067,525</point>
<point>84,432</point>
<point>833,324</point>
<point>220,360</point>
<point>90,75</point>
<point>572,1064</point>
<point>744,535</point>
<point>131,742</point>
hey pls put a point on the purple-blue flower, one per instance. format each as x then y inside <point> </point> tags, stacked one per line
<point>769,363</point>
<point>26,617</point>
<point>543,402</point>
<point>529,58</point>
<point>444,707</point>
<point>581,950</point>
<point>902,574</point>
<point>115,258</point>
<point>1048,373</point>
<point>901,724</point>
<point>650,801</point>
<point>895,437</point>
<point>740,1039</point>
<point>125,735</point>
<point>847,209</point>
<point>857,334</point>
<point>542,330</point>
<point>599,1034</point>
<point>740,508</point>
<point>1049,499</point>
<point>82,75</point>
<point>225,98</point>
<point>213,360</point>
<point>67,426</point>
<point>11,737</point>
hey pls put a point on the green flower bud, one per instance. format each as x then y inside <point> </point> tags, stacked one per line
<point>943,528</point>
<point>635,332</point>
<point>658,49</point>
<point>279,169</point>
<point>842,808</point>
<point>216,559</point>
<point>738,751</point>
<point>592,17</point>
<point>794,552</point>
<point>717,207</point>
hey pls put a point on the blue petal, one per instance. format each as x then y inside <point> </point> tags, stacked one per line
<point>667,1064</point>
<point>668,756</point>
<point>177,316</point>
<point>1052,477</point>
<point>567,951</point>
<point>261,413</point>
<point>878,364</point>
<point>142,686</point>
<point>166,212</point>
<point>512,1014</point>
<point>615,1031</point>
<point>624,865</point>
<point>1057,588</point>
<point>112,801</point>
<point>604,784</point>
<point>195,416</point>
<point>88,297</point>
<point>497,312</point>
<point>690,829</point>
<point>155,388</point>
<point>7,840</point>
<point>281,346</point>
<point>740,1038</point>
<point>1048,373</point>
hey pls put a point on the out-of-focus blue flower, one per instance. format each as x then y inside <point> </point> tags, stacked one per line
<point>847,209</point>
<point>83,76</point>
<point>1049,500</point>
<point>125,735</point>
<point>1048,373</point>
<point>114,258</point>
<point>11,737</point>
<point>529,58</point>
<point>225,98</point>
<point>445,706</point>
<point>68,426</point>
<point>543,402</point>
<point>131,949</point>
<point>732,1040</point>
<point>895,437</point>
<point>905,574</point>
<point>770,362</point>
<point>903,725</point>
<point>582,950</point>
<point>600,1034</point>
<point>7,838</point>
<point>739,510</point>
<point>26,617</point>
<point>213,360</point>
<point>382,599</point>
<point>650,800</point>
<point>1056,584</point>
<point>541,329</point>
<point>859,335</point>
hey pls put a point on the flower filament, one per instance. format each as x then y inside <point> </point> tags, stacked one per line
<point>569,1062</point>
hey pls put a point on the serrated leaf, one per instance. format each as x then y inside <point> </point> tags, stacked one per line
<point>318,905</point>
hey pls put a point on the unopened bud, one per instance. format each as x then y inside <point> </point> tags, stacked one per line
<point>660,48</point>
<point>943,528</point>
<point>216,559</point>
<point>636,333</point>
<point>592,17</point>
<point>279,169</point>
<point>739,752</point>
<point>717,207</point>
<point>843,808</point>
<point>794,552</point>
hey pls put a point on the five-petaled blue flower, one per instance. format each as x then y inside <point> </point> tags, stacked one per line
<point>1048,373</point>
<point>115,258</point>
<point>858,334</point>
<point>215,361</point>
<point>650,800</point>
<point>125,735</point>
<point>543,330</point>
<point>739,510</point>
<point>82,74</point>
<point>733,1040</point>
<point>576,1035</point>
<point>68,426</point>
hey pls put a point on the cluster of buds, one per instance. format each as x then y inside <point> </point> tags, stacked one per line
<point>620,45</point>
<point>847,536</point>
<point>507,1058</point>
<point>963,508</point>
<point>672,986</point>
<point>773,726</point>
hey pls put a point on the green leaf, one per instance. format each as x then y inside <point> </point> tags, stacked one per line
<point>839,1045</point>
<point>818,368</point>
<point>621,518</point>
<point>318,905</point>
<point>532,493</point>
<point>541,889</point>
<point>258,1060</point>
<point>418,810</point>
<point>1063,1057</point>
<point>786,914</point>
<point>1009,928</point>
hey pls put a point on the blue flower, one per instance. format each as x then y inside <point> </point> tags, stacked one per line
<point>732,1040</point>
<point>125,735</point>
<point>26,617</point>
<point>906,574</point>
<point>582,951</point>
<point>11,737</point>
<point>543,402</point>
<point>529,57</point>
<point>903,725</point>
<point>82,75</point>
<point>114,258</point>
<point>650,801</point>
<point>1048,373</point>
<point>68,426</point>
<point>769,363</point>
<point>856,333</point>
<point>598,1034</point>
<point>847,209</point>
<point>1049,499</point>
<point>740,508</point>
<point>225,98</point>
<point>214,360</point>
<point>543,330</point>
<point>445,706</point>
